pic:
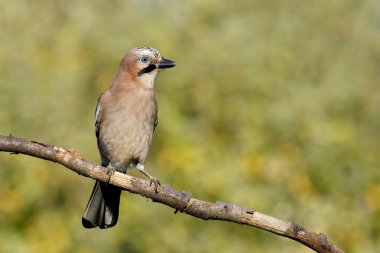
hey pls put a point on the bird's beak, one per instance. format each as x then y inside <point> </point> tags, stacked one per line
<point>165,64</point>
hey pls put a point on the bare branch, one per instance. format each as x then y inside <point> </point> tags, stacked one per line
<point>180,201</point>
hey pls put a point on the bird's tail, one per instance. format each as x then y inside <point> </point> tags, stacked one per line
<point>103,207</point>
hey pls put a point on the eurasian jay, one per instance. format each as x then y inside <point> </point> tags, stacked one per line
<point>126,116</point>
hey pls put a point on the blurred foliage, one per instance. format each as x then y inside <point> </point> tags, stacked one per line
<point>273,105</point>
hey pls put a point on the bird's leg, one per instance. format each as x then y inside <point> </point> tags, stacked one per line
<point>110,171</point>
<point>153,180</point>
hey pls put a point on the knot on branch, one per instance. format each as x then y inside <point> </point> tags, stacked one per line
<point>325,244</point>
<point>296,229</point>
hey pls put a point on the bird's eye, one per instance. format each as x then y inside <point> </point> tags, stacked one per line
<point>144,59</point>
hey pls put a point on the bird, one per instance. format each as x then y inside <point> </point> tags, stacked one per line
<point>126,117</point>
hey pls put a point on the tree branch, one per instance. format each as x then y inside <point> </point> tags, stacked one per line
<point>180,201</point>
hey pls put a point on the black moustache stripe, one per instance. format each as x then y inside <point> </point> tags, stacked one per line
<point>148,69</point>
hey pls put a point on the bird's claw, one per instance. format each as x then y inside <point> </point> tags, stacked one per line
<point>110,171</point>
<point>153,181</point>
<point>156,184</point>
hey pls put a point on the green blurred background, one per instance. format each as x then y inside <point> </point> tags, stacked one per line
<point>273,105</point>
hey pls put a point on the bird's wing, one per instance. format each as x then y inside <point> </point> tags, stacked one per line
<point>98,120</point>
<point>98,117</point>
<point>155,114</point>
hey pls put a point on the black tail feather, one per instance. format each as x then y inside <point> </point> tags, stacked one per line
<point>103,207</point>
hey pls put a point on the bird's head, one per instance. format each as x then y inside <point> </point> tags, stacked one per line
<point>144,63</point>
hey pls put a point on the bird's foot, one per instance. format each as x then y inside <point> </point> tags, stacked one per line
<point>156,184</point>
<point>110,171</point>
<point>153,181</point>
